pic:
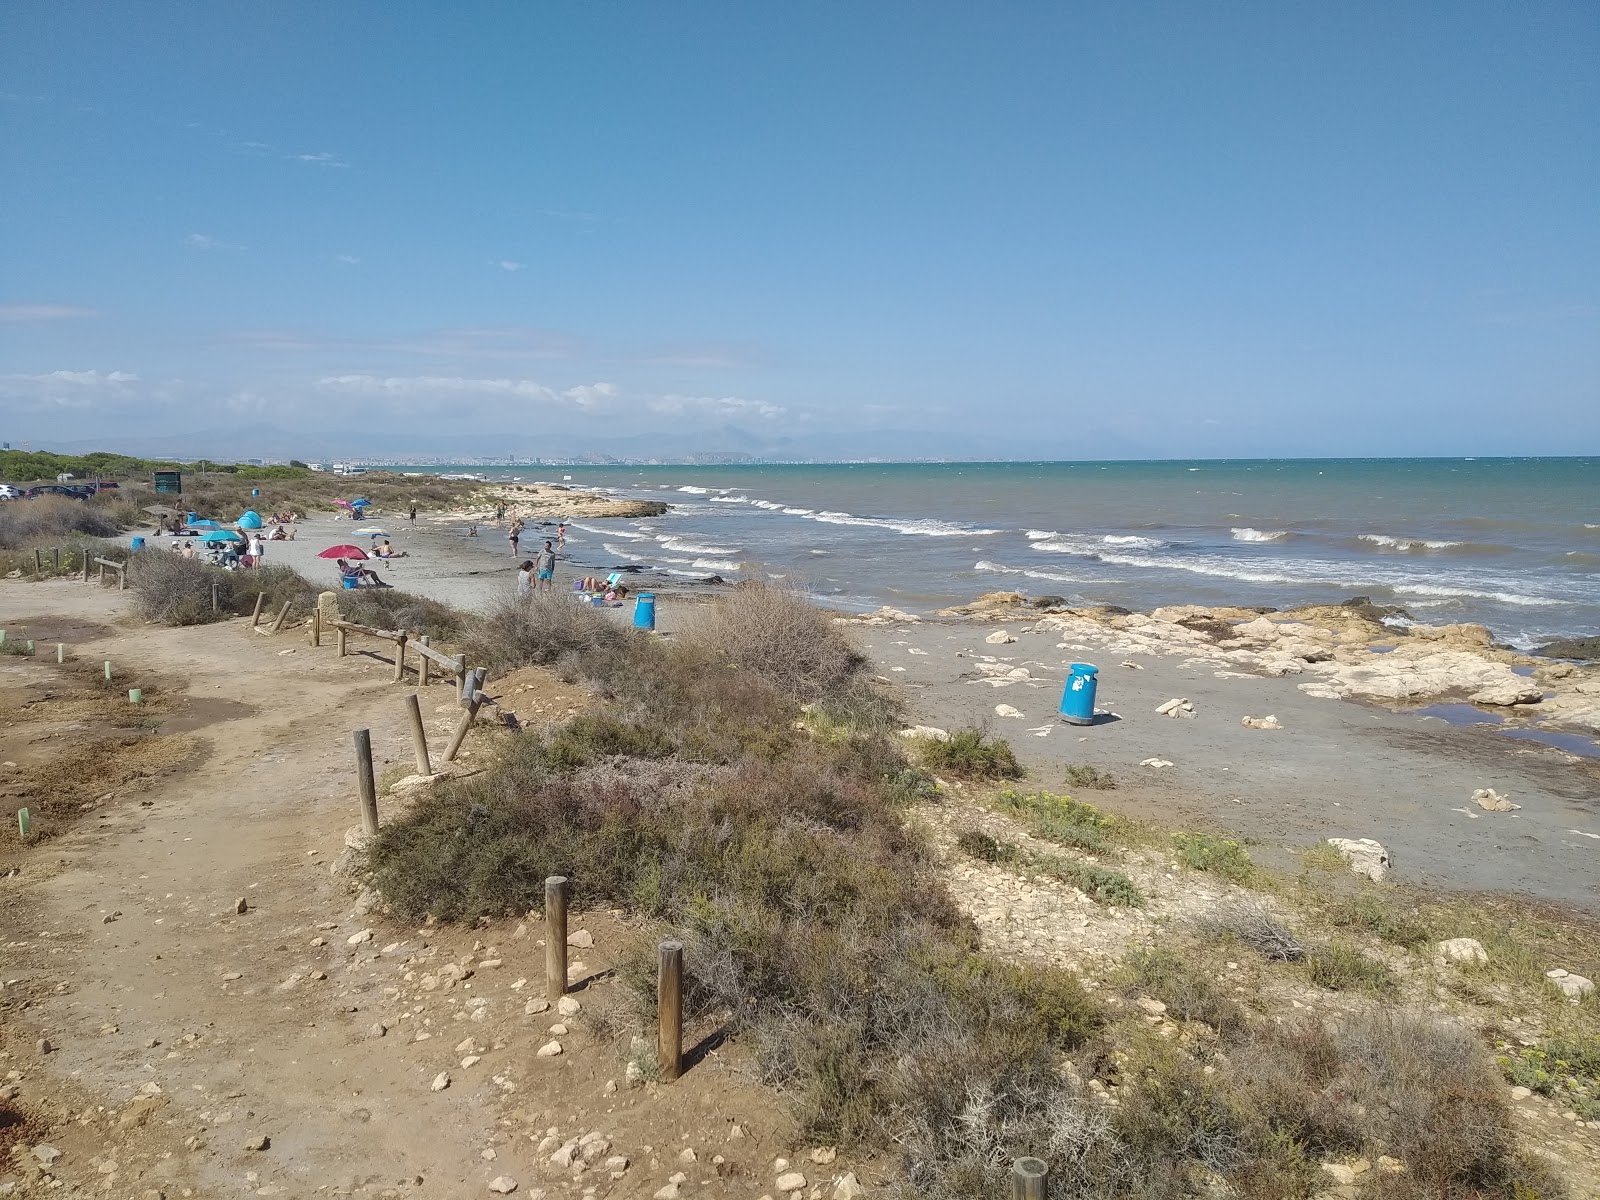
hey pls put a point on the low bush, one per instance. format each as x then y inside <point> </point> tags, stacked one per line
<point>1218,855</point>
<point>777,633</point>
<point>25,523</point>
<point>1101,883</point>
<point>1254,925</point>
<point>969,754</point>
<point>1379,917</point>
<point>1185,986</point>
<point>1566,1069</point>
<point>1059,819</point>
<point>985,848</point>
<point>173,590</point>
<point>1341,967</point>
<point>391,608</point>
<point>1091,778</point>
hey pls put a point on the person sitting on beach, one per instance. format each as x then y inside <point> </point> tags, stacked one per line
<point>188,549</point>
<point>385,550</point>
<point>472,531</point>
<point>350,570</point>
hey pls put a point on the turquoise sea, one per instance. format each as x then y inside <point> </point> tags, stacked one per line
<point>1511,543</point>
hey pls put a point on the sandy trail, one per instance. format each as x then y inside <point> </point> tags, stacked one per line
<point>228,1026</point>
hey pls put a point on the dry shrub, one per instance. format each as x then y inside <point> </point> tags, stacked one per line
<point>1253,924</point>
<point>30,522</point>
<point>548,629</point>
<point>1187,987</point>
<point>392,608</point>
<point>779,634</point>
<point>174,590</point>
<point>970,754</point>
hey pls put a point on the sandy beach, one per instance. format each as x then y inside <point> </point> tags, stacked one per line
<point>1401,771</point>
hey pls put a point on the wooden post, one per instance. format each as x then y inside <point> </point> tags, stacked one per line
<point>86,566</point>
<point>463,678</point>
<point>255,617</point>
<point>419,736</point>
<point>1028,1178</point>
<point>467,718</point>
<point>38,561</point>
<point>316,625</point>
<point>102,574</point>
<point>400,656</point>
<point>122,579</point>
<point>283,615</point>
<point>669,1003</point>
<point>555,937</point>
<point>422,667</point>
<point>341,634</point>
<point>214,603</point>
<point>365,781</point>
<point>58,560</point>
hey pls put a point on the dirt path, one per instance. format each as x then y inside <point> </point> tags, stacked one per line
<point>182,1031</point>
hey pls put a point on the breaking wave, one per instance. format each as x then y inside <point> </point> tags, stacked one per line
<point>1246,534</point>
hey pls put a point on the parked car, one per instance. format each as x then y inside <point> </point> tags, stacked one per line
<point>7,492</point>
<point>56,489</point>
<point>105,485</point>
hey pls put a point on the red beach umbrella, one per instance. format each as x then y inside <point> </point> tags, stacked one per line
<point>343,552</point>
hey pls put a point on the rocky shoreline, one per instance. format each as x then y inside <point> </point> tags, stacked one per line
<point>1350,651</point>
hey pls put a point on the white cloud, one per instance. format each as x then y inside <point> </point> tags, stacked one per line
<point>42,312</point>
<point>351,259</point>
<point>719,406</point>
<point>322,159</point>
<point>84,378</point>
<point>445,390</point>
<point>506,264</point>
<point>204,241</point>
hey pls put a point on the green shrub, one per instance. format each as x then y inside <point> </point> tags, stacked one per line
<point>1092,778</point>
<point>1374,915</point>
<point>776,632</point>
<point>1566,1069</point>
<point>1341,967</point>
<point>1218,855</point>
<point>969,754</point>
<point>985,848</point>
<point>1187,988</point>
<point>392,608</point>
<point>1105,885</point>
<point>173,590</point>
<point>1059,819</point>
<point>32,522</point>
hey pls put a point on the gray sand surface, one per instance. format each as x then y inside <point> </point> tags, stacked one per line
<point>1335,769</point>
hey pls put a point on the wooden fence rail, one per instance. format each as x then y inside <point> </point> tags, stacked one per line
<point>120,568</point>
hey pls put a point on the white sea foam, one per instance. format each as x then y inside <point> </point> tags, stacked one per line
<point>1402,543</point>
<point>730,499</point>
<point>1246,534</point>
<point>712,564</point>
<point>619,551</point>
<point>683,547</point>
<point>697,491</point>
<point>770,505</point>
<point>1040,535</point>
<point>1002,569</point>
<point>798,512</point>
<point>926,527</point>
<point>613,532</point>
<point>1130,539</point>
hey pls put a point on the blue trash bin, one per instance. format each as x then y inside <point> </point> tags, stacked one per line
<point>136,544</point>
<point>1077,698</point>
<point>644,611</point>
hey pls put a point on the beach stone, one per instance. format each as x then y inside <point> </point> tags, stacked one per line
<point>1507,694</point>
<point>1267,722</point>
<point>567,1006</point>
<point>46,1155</point>
<point>1573,987</point>
<point>440,1081</point>
<point>548,1050</point>
<point>1463,949</point>
<point>791,1181</point>
<point>999,638</point>
<point>357,939</point>
<point>1492,801</point>
<point>535,1007</point>
<point>503,1184</point>
<point>1365,856</point>
<point>930,732</point>
<point>848,1187</point>
<point>582,939</point>
<point>1341,1174</point>
<point>1005,710</point>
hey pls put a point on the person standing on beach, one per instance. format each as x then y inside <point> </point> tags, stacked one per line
<point>525,579</point>
<point>561,535</point>
<point>547,568</point>
<point>413,517</point>
<point>513,537</point>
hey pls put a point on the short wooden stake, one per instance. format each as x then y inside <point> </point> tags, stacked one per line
<point>316,626</point>
<point>38,561</point>
<point>214,603</point>
<point>422,667</point>
<point>419,736</point>
<point>340,632</point>
<point>1028,1178</point>
<point>122,580</point>
<point>555,937</point>
<point>463,677</point>
<point>283,615</point>
<point>255,617</point>
<point>365,781</point>
<point>86,566</point>
<point>58,559</point>
<point>102,574</point>
<point>669,1003</point>
<point>462,726</point>
<point>400,656</point>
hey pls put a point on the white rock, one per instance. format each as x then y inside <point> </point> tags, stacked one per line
<point>567,1006</point>
<point>1267,722</point>
<point>823,1155</point>
<point>1342,1174</point>
<point>440,1081</point>
<point>1152,1006</point>
<point>581,938</point>
<point>1365,856</point>
<point>1492,801</point>
<point>848,1187</point>
<point>1507,694</point>
<point>998,638</point>
<point>549,1050</point>
<point>1178,706</point>
<point>356,939</point>
<point>535,1007</point>
<point>46,1154</point>
<point>670,1192</point>
<point>471,1060</point>
<point>503,1184</point>
<point>929,732</point>
<point>1463,949</point>
<point>1521,1093</point>
<point>687,1155</point>
<point>377,1029</point>
<point>1573,987</point>
<point>565,1156</point>
<point>617,1162</point>
<point>792,1181</point>
<point>1005,710</point>
<point>1157,763</point>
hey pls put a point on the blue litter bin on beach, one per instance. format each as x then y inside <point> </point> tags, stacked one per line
<point>644,610</point>
<point>1077,698</point>
<point>136,544</point>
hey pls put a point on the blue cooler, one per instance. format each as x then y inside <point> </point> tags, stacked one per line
<point>1077,698</point>
<point>644,611</point>
<point>136,544</point>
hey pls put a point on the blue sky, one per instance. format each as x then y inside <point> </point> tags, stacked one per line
<point>1144,229</point>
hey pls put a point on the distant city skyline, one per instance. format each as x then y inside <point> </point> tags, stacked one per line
<point>921,231</point>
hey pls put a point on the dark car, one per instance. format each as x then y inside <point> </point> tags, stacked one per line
<point>57,489</point>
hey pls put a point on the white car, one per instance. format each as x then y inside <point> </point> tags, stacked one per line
<point>7,492</point>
